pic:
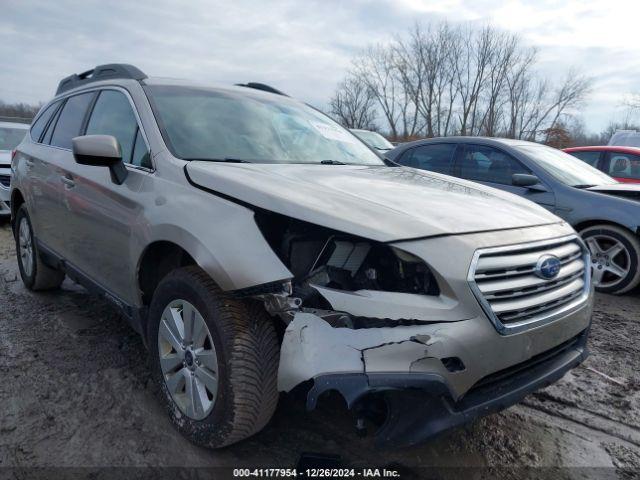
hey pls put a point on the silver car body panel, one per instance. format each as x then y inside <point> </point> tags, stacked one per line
<point>377,203</point>
<point>312,348</point>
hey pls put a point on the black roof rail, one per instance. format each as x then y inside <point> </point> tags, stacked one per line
<point>263,87</point>
<point>101,72</point>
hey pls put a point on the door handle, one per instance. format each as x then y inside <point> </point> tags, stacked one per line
<point>68,182</point>
<point>29,163</point>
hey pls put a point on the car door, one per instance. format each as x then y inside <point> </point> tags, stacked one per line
<point>624,167</point>
<point>49,169</point>
<point>102,212</point>
<point>435,157</point>
<point>495,168</point>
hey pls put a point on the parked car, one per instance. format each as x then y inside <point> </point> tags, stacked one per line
<point>625,138</point>
<point>258,246</point>
<point>621,163</point>
<point>11,134</point>
<point>373,139</point>
<point>605,212</point>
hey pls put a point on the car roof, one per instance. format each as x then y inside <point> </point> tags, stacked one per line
<point>605,148</point>
<point>162,81</point>
<point>495,141</point>
<point>21,126</point>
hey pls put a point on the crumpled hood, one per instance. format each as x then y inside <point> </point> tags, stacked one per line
<point>378,203</point>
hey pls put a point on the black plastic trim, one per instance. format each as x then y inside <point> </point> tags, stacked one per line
<point>134,315</point>
<point>101,72</point>
<point>421,405</point>
<point>262,86</point>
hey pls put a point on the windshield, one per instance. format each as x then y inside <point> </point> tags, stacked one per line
<point>11,137</point>
<point>204,124</point>
<point>566,168</point>
<point>373,139</point>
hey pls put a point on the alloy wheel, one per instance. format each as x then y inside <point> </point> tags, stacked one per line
<point>188,359</point>
<point>25,244</point>
<point>610,260</point>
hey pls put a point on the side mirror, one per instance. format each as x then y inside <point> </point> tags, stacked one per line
<point>527,181</point>
<point>100,151</point>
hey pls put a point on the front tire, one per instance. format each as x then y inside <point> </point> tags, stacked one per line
<point>615,255</point>
<point>214,357</point>
<point>33,271</point>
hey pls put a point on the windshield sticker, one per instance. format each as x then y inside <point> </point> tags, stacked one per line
<point>333,132</point>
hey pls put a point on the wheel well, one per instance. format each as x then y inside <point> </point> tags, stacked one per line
<point>590,223</point>
<point>16,200</point>
<point>157,261</point>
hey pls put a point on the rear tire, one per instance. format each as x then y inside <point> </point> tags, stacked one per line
<point>33,271</point>
<point>246,350</point>
<point>615,254</point>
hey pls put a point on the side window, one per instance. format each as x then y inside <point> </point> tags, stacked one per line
<point>46,138</point>
<point>624,165</point>
<point>112,115</point>
<point>70,120</point>
<point>487,164</point>
<point>435,158</point>
<point>588,157</point>
<point>38,126</point>
<point>140,153</point>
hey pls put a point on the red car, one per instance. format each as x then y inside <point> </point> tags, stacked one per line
<point>621,163</point>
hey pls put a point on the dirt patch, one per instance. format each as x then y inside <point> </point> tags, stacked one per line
<point>76,391</point>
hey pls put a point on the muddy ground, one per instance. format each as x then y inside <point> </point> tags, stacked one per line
<point>75,391</point>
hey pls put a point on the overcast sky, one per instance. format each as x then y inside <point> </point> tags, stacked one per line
<point>301,47</point>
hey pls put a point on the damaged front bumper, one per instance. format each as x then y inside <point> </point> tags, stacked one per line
<point>437,375</point>
<point>444,358</point>
<point>420,405</point>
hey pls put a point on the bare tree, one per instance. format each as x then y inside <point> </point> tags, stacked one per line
<point>424,63</point>
<point>353,104</point>
<point>377,68</point>
<point>441,79</point>
<point>570,94</point>
<point>472,61</point>
<point>504,50</point>
<point>18,112</point>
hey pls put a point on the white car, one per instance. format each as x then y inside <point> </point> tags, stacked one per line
<point>373,139</point>
<point>11,134</point>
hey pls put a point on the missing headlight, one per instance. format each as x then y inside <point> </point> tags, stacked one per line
<point>321,256</point>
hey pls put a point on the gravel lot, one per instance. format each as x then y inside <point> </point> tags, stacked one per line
<point>76,392</point>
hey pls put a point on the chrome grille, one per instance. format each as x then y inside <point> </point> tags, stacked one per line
<point>5,180</point>
<point>505,282</point>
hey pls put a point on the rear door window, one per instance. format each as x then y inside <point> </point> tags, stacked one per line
<point>487,164</point>
<point>588,157</point>
<point>39,125</point>
<point>623,165</point>
<point>70,120</point>
<point>435,158</point>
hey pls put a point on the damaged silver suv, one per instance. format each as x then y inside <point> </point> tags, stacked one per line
<point>259,247</point>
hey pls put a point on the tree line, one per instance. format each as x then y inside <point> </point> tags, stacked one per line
<point>18,112</point>
<point>443,79</point>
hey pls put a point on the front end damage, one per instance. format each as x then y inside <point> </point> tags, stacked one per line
<point>399,322</point>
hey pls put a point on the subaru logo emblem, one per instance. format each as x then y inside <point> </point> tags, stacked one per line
<point>547,267</point>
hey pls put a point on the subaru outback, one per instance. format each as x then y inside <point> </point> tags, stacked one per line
<point>258,247</point>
